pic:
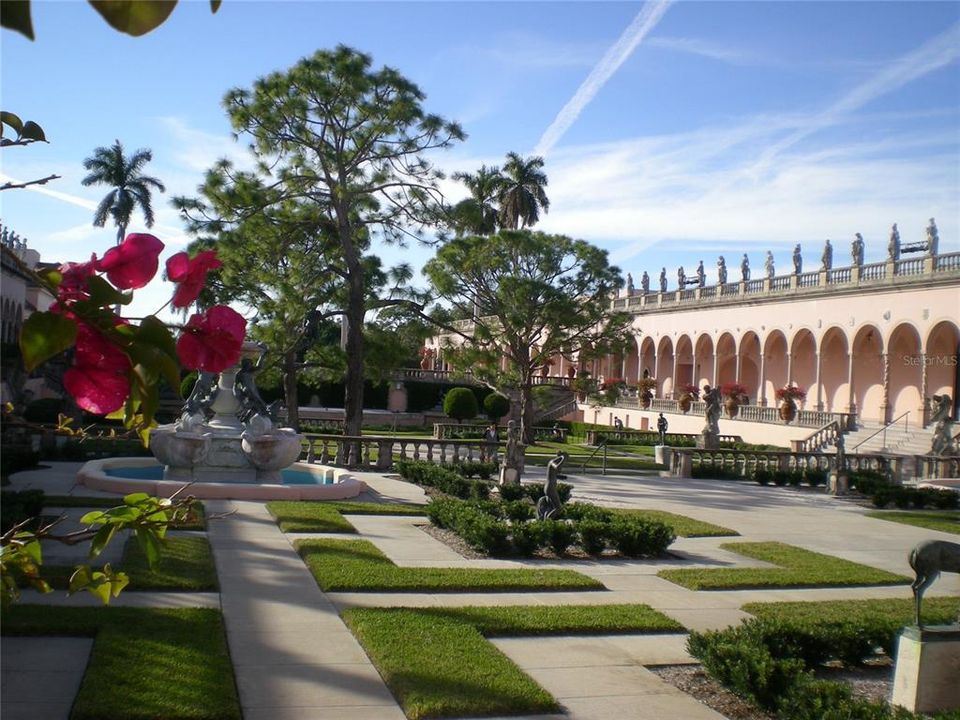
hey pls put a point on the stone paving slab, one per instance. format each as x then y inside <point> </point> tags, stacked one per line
<point>41,676</point>
<point>128,598</point>
<point>592,650</point>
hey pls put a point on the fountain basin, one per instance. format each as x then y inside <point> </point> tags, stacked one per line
<point>301,481</point>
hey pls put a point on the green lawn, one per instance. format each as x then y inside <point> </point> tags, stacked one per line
<point>894,611</point>
<point>145,664</point>
<point>798,568</point>
<point>185,564</point>
<point>682,525</point>
<point>357,565</point>
<point>320,517</point>
<point>452,670</point>
<point>943,520</point>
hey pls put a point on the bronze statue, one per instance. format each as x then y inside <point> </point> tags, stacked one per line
<point>202,394</point>
<point>745,268</point>
<point>797,260</point>
<point>645,283</point>
<point>549,505</point>
<point>893,246</point>
<point>826,259</point>
<point>721,270</point>
<point>928,559</point>
<point>943,433</point>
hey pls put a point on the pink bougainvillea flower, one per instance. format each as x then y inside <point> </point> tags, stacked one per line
<point>133,263</point>
<point>74,280</point>
<point>190,274</point>
<point>211,341</point>
<point>99,379</point>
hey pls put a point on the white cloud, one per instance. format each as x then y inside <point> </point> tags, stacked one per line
<point>616,55</point>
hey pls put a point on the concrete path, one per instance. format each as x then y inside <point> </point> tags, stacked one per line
<point>41,676</point>
<point>294,658</point>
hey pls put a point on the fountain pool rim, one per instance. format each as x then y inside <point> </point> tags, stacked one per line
<point>93,475</point>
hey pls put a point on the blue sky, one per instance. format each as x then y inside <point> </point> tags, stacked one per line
<point>679,131</point>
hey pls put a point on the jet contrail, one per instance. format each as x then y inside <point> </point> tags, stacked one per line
<point>932,55</point>
<point>642,24</point>
<point>65,197</point>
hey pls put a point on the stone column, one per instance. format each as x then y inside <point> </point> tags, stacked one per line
<point>716,367</point>
<point>763,380</point>
<point>656,371</point>
<point>819,405</point>
<point>924,383</point>
<point>789,368</point>
<point>623,367</point>
<point>885,402</point>
<point>851,403</point>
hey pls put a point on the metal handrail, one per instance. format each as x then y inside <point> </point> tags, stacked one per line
<point>601,446</point>
<point>883,430</point>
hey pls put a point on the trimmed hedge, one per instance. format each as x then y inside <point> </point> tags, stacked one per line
<point>443,479</point>
<point>770,661</point>
<point>503,528</point>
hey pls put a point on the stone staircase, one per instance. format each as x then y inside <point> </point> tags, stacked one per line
<point>896,440</point>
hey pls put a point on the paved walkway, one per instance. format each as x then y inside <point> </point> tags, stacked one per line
<point>294,658</point>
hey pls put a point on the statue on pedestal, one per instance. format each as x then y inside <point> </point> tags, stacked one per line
<point>826,259</point>
<point>942,445</point>
<point>721,270</point>
<point>797,260</point>
<point>549,505</point>
<point>933,238</point>
<point>768,265</point>
<point>629,284</point>
<point>893,246</point>
<point>645,283</point>
<point>681,278</point>
<point>701,275</point>
<point>856,250</point>
<point>710,435</point>
<point>745,268</point>
<point>663,280</point>
<point>512,456</point>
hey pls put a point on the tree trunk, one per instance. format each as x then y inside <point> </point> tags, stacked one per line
<point>353,383</point>
<point>290,389</point>
<point>526,411</point>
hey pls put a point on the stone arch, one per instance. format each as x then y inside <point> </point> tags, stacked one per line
<point>867,390</point>
<point>803,360</point>
<point>726,359</point>
<point>776,364</point>
<point>834,371</point>
<point>703,361</point>
<point>665,367</point>
<point>683,373</point>
<point>905,363</point>
<point>632,361</point>
<point>648,356</point>
<point>941,353</point>
<point>748,362</point>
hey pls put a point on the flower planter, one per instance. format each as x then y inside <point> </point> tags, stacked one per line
<point>684,403</point>
<point>732,407</point>
<point>788,411</point>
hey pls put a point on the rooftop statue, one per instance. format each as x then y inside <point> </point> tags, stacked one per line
<point>681,278</point>
<point>745,268</point>
<point>663,280</point>
<point>797,260</point>
<point>856,250</point>
<point>645,283</point>
<point>826,260</point>
<point>701,275</point>
<point>933,237</point>
<point>629,284</point>
<point>893,246</point>
<point>768,265</point>
<point>721,270</point>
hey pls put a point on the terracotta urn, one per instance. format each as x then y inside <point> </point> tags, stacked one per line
<point>732,406</point>
<point>788,411</point>
<point>684,403</point>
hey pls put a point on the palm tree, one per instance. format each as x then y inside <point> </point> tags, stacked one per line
<point>522,196</point>
<point>478,213</point>
<point>130,188</point>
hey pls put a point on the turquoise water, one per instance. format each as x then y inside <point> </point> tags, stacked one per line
<point>155,472</point>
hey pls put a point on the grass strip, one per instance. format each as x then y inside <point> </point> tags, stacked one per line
<point>682,525</point>
<point>798,568</point>
<point>326,516</point>
<point>894,611</point>
<point>186,564</point>
<point>358,566</point>
<point>452,669</point>
<point>146,662</point>
<point>947,521</point>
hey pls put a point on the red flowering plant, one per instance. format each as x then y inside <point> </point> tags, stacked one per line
<point>733,390</point>
<point>692,390</point>
<point>118,364</point>
<point>791,392</point>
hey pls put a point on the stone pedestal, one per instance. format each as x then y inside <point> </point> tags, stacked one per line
<point>839,484</point>
<point>663,455</point>
<point>509,476</point>
<point>928,665</point>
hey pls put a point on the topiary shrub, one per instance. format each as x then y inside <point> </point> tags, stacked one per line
<point>460,404</point>
<point>558,535</point>
<point>593,536</point>
<point>526,538</point>
<point>495,406</point>
<point>634,537</point>
<point>815,477</point>
<point>762,476</point>
<point>517,511</point>
<point>511,492</point>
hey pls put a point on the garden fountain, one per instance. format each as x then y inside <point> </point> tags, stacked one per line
<point>225,444</point>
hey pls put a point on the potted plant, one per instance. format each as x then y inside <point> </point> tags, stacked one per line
<point>583,385</point>
<point>688,393</point>
<point>788,396</point>
<point>733,394</point>
<point>645,388</point>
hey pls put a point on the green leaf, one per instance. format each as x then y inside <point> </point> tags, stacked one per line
<point>52,276</point>
<point>43,335</point>
<point>103,293</point>
<point>150,545</point>
<point>135,498</point>
<point>15,15</point>
<point>214,5</point>
<point>94,517</point>
<point>8,118</point>
<point>134,17</point>
<point>154,331</point>
<point>32,131</point>
<point>32,549</point>
<point>102,539</point>
<point>82,576</point>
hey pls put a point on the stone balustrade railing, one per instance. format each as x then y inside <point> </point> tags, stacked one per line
<point>372,452</point>
<point>748,413</point>
<point>745,462</point>
<point>452,377</point>
<point>824,436</point>
<point>936,467</point>
<point>650,437</point>
<point>446,431</point>
<point>908,269</point>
